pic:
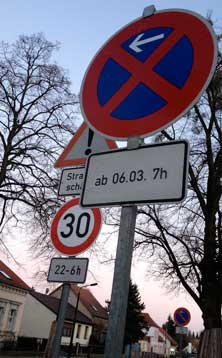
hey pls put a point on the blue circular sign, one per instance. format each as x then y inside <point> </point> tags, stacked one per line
<point>181,316</point>
<point>149,74</point>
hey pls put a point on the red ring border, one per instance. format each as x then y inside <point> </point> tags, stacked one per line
<point>196,27</point>
<point>85,245</point>
<point>178,312</point>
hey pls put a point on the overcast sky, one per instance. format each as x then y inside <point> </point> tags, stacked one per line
<point>82,27</point>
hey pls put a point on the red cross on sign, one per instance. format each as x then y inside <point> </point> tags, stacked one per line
<point>149,74</point>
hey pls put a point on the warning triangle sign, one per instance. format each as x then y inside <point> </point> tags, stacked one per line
<point>83,143</point>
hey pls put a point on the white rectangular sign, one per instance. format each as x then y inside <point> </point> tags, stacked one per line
<point>68,269</point>
<point>181,330</point>
<point>149,174</point>
<point>71,182</point>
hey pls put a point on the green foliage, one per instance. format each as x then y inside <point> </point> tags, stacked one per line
<point>135,323</point>
<point>170,327</point>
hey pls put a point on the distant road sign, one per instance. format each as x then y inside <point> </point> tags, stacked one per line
<point>182,316</point>
<point>83,143</point>
<point>149,174</point>
<point>182,330</point>
<point>75,228</point>
<point>149,74</point>
<point>71,182</point>
<point>65,269</point>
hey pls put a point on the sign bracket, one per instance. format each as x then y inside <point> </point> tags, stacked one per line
<point>149,10</point>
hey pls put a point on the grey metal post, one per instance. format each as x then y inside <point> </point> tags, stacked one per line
<point>73,325</point>
<point>60,320</point>
<point>180,344</point>
<point>124,252</point>
<point>120,288</point>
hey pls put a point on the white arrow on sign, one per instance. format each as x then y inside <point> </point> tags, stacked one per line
<point>137,42</point>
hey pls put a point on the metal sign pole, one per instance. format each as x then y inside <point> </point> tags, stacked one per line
<point>120,288</point>
<point>60,320</point>
<point>180,344</point>
<point>73,325</point>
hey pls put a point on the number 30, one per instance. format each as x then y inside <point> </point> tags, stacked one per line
<point>82,225</point>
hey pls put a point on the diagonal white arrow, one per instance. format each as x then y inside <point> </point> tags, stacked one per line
<point>137,42</point>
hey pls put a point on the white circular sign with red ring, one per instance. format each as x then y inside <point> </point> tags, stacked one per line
<point>74,229</point>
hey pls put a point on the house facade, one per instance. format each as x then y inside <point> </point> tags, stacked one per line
<point>13,293</point>
<point>157,340</point>
<point>26,316</point>
<point>42,310</point>
<point>89,306</point>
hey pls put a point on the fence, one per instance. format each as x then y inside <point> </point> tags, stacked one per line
<point>150,355</point>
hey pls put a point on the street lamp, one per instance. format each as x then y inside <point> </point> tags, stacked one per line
<point>75,315</point>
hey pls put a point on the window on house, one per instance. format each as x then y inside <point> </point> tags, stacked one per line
<point>3,273</point>
<point>2,312</point>
<point>160,339</point>
<point>12,317</point>
<point>86,332</point>
<point>94,307</point>
<point>66,332</point>
<point>78,331</point>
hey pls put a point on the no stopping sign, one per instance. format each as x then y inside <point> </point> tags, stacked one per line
<point>149,74</point>
<point>181,316</point>
<point>75,228</point>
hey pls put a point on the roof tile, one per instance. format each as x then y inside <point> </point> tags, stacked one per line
<point>53,303</point>
<point>8,277</point>
<point>90,302</point>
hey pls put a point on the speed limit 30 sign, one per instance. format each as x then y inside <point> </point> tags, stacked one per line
<point>74,228</point>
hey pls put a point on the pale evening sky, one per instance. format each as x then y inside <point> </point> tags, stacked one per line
<point>81,28</point>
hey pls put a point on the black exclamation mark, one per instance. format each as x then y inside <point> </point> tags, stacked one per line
<point>90,138</point>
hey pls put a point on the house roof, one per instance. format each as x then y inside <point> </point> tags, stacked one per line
<point>173,342</point>
<point>152,323</point>
<point>149,320</point>
<point>9,278</point>
<point>53,303</point>
<point>90,302</point>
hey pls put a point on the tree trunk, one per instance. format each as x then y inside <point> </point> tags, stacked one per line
<point>210,298</point>
<point>211,306</point>
<point>211,338</point>
<point>211,343</point>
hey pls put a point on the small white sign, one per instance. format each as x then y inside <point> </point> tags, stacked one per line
<point>71,182</point>
<point>181,330</point>
<point>149,174</point>
<point>68,270</point>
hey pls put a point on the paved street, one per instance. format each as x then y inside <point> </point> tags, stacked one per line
<point>35,356</point>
